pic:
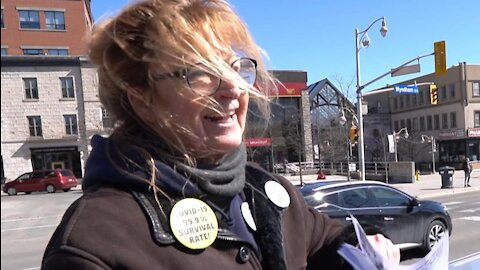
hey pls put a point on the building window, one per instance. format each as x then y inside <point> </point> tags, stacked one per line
<point>67,87</point>
<point>444,121</point>
<point>31,89</point>
<point>402,123</point>
<point>422,123</point>
<point>453,120</point>
<point>407,97</point>
<point>35,126</point>
<point>57,52</point>
<point>4,51</point>
<point>452,90</point>
<point>3,23</point>
<point>70,124</point>
<point>395,125</point>
<point>415,124</point>
<point>422,97</point>
<point>476,89</point>
<point>429,122</point>
<point>476,120</point>
<point>402,103</point>
<point>32,51</point>
<point>436,121</point>
<point>107,120</point>
<point>443,92</point>
<point>55,20</point>
<point>29,19</point>
<point>409,124</point>
<point>395,103</point>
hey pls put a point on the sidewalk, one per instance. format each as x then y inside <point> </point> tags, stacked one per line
<point>428,186</point>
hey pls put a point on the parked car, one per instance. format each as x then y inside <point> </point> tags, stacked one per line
<point>380,208</point>
<point>45,180</point>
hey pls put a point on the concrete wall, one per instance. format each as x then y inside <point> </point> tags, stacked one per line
<point>401,172</point>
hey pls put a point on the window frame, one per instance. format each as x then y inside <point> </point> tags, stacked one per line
<point>30,93</point>
<point>453,119</point>
<point>476,119</point>
<point>422,123</point>
<point>65,52</point>
<point>436,122</point>
<point>476,91</point>
<point>35,125</point>
<point>56,26</point>
<point>3,21</point>
<point>65,87</point>
<point>407,198</point>
<point>29,24</point>
<point>71,124</point>
<point>444,120</point>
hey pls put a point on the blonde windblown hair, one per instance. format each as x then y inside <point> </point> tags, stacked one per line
<point>159,36</point>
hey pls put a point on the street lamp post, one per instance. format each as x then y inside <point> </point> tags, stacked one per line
<point>431,140</point>
<point>361,36</point>
<point>395,134</point>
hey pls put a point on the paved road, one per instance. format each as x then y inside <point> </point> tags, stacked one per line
<point>28,222</point>
<point>465,212</point>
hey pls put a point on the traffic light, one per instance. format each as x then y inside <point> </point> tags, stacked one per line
<point>433,94</point>
<point>440,58</point>
<point>353,135</point>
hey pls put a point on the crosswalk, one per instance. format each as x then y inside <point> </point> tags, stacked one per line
<point>464,210</point>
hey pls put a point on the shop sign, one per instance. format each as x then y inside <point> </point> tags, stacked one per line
<point>474,132</point>
<point>258,142</point>
<point>453,133</point>
<point>290,89</point>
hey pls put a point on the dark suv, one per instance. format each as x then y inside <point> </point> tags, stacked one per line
<point>45,180</point>
<point>381,208</point>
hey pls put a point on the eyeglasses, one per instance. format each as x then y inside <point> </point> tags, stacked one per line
<point>206,84</point>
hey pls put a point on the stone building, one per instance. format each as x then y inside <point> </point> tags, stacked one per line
<point>50,108</point>
<point>453,123</point>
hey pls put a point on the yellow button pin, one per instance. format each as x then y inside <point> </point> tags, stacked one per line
<point>193,223</point>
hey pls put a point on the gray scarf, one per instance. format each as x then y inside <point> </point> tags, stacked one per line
<point>224,179</point>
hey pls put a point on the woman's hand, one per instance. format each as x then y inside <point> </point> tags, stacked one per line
<point>385,247</point>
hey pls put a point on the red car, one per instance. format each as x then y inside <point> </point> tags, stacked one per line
<point>48,180</point>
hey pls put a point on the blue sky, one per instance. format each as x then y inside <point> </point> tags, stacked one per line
<point>318,36</point>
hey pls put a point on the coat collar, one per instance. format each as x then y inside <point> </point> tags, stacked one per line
<point>267,217</point>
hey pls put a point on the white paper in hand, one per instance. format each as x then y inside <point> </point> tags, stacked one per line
<point>365,257</point>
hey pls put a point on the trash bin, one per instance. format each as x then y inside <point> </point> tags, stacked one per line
<point>447,176</point>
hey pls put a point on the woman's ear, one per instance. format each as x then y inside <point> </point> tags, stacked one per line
<point>140,107</point>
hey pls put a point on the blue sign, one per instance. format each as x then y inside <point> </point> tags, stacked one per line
<point>406,89</point>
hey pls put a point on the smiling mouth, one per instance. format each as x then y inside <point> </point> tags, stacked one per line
<point>220,118</point>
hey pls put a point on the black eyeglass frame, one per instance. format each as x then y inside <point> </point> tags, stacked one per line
<point>183,74</point>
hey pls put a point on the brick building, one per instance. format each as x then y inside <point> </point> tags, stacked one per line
<point>55,27</point>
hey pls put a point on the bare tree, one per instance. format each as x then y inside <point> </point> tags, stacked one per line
<point>346,86</point>
<point>412,147</point>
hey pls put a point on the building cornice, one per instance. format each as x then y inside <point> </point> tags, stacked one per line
<point>40,61</point>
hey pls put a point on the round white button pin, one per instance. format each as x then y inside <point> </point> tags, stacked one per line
<point>247,215</point>
<point>277,194</point>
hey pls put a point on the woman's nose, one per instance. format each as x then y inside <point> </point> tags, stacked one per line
<point>230,89</point>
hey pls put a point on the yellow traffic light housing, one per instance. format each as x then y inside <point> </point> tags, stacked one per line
<point>440,58</point>
<point>353,135</point>
<point>433,94</point>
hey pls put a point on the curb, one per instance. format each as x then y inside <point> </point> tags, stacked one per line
<point>448,192</point>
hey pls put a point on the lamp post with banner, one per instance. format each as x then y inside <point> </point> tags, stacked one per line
<point>362,41</point>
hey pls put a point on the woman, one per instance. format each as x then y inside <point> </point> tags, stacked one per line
<point>171,188</point>
<point>467,168</point>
